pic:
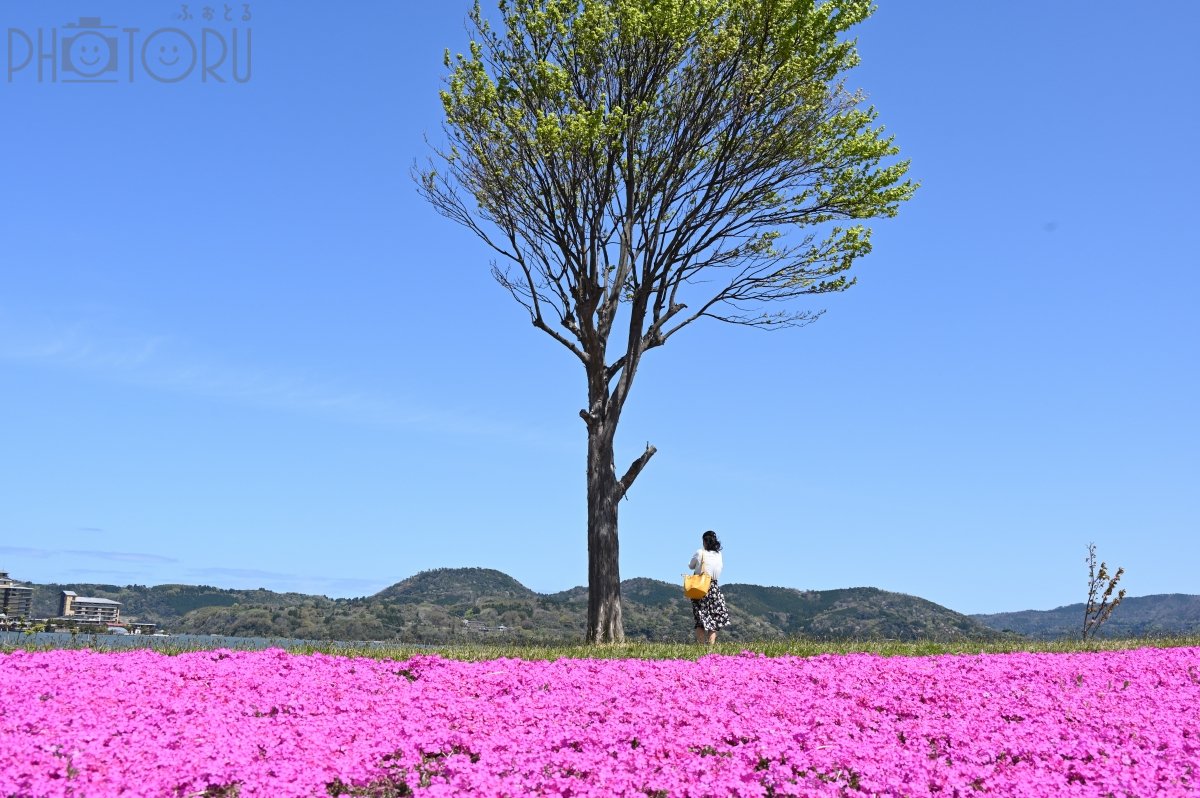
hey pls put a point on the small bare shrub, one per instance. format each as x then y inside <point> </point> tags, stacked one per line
<point>1100,601</point>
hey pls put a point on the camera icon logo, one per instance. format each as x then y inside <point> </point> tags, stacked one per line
<point>89,51</point>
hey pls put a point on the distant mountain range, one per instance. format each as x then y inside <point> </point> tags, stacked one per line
<point>456,604</point>
<point>1143,616</point>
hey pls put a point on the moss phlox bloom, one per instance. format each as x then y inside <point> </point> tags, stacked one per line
<point>224,723</point>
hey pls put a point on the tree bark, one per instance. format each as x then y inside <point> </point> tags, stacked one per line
<point>604,565</point>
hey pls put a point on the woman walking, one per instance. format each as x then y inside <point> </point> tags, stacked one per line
<point>709,613</point>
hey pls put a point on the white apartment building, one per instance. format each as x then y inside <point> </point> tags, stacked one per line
<point>89,610</point>
<point>15,600</point>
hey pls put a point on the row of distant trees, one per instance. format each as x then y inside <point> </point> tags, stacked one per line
<point>418,623</point>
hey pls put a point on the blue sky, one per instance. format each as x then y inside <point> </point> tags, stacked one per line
<point>236,348</point>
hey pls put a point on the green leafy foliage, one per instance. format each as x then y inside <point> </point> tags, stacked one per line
<point>612,149</point>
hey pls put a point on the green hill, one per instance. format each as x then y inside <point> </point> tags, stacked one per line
<point>858,612</point>
<point>165,605</point>
<point>453,586</point>
<point>657,611</point>
<point>1140,616</point>
<point>462,604</point>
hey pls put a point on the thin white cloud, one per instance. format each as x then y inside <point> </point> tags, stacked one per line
<point>122,556</point>
<point>116,556</point>
<point>350,587</point>
<point>24,551</point>
<point>158,362</point>
<point>240,573</point>
<point>75,345</point>
<point>221,577</point>
<point>102,572</point>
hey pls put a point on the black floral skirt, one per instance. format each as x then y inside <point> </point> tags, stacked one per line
<point>710,613</point>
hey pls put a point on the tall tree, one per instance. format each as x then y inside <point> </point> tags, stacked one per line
<point>638,165</point>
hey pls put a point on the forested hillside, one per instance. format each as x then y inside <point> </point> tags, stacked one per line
<point>447,605</point>
<point>1141,616</point>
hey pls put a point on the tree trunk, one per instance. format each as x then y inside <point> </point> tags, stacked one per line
<point>604,567</point>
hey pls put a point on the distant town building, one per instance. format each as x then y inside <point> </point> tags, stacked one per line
<point>15,600</point>
<point>88,610</point>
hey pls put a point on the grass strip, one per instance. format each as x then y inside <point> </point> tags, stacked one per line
<point>482,652</point>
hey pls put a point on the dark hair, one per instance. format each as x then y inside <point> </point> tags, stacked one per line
<point>710,541</point>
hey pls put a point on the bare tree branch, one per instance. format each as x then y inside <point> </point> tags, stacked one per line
<point>626,482</point>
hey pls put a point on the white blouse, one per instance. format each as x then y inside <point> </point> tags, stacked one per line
<point>713,563</point>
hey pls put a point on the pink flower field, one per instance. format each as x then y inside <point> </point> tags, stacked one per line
<point>222,723</point>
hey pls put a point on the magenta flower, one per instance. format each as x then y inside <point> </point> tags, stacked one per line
<point>80,723</point>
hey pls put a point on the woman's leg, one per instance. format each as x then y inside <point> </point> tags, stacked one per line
<point>712,637</point>
<point>699,635</point>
